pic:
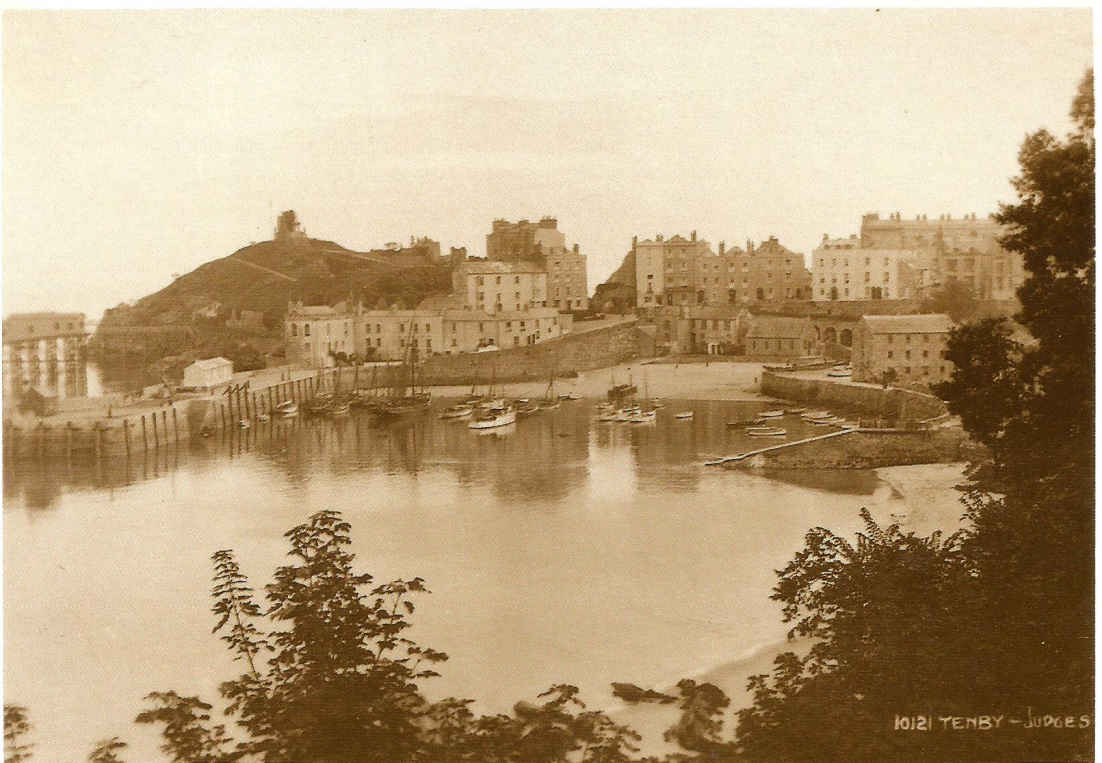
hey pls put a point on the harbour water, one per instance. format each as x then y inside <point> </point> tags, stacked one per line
<point>558,549</point>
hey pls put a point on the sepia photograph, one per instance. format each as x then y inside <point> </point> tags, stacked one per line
<point>548,385</point>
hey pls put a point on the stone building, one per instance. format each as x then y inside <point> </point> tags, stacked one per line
<point>314,334</point>
<point>775,337</point>
<point>543,244</point>
<point>500,286</point>
<point>842,269</point>
<point>45,350</point>
<point>719,330</point>
<point>685,272</point>
<point>964,249</point>
<point>208,373</point>
<point>910,346</point>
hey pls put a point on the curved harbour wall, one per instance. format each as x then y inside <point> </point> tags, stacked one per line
<point>903,404</point>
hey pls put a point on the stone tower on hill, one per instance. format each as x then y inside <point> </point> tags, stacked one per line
<point>288,228</point>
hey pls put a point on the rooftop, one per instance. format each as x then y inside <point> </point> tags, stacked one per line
<point>929,323</point>
<point>773,326</point>
<point>495,266</point>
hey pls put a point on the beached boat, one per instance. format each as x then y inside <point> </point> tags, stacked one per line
<point>626,414</point>
<point>243,423</point>
<point>795,411</point>
<point>570,396</point>
<point>644,417</point>
<point>549,405</point>
<point>339,409</point>
<point>319,403</point>
<point>766,432</point>
<point>262,417</point>
<point>287,408</point>
<point>683,415</point>
<point>527,409</point>
<point>497,417</point>
<point>746,422</point>
<point>771,414</point>
<point>462,410</point>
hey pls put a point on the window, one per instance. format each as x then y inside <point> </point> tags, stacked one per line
<point>890,354</point>
<point>427,328</point>
<point>925,353</point>
<point>294,329</point>
<point>378,328</point>
<point>378,342</point>
<point>479,280</point>
<point>401,328</point>
<point>907,354</point>
<point>415,328</point>
<point>498,279</point>
<point>306,330</point>
<point>516,295</point>
<point>516,279</point>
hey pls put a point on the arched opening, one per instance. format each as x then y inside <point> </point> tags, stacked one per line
<point>830,336</point>
<point>846,338</point>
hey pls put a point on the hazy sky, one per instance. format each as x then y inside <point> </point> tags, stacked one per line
<point>142,144</point>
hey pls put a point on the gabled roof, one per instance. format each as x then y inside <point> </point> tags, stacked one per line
<point>209,363</point>
<point>929,323</point>
<point>778,327</point>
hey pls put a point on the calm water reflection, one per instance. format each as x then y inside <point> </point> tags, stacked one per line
<point>558,549</point>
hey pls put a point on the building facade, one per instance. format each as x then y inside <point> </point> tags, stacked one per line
<point>685,272</point>
<point>777,337</point>
<point>544,245</point>
<point>497,287</point>
<point>314,334</point>
<point>45,350</point>
<point>964,249</point>
<point>843,269</point>
<point>909,348</point>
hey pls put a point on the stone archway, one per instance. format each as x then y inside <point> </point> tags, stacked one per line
<point>846,338</point>
<point>830,336</point>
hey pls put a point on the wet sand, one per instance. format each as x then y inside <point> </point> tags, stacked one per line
<point>690,381</point>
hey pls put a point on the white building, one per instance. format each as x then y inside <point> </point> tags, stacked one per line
<point>209,372</point>
<point>496,287</point>
<point>842,270</point>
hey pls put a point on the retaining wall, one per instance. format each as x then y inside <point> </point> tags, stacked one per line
<point>868,450</point>
<point>903,404</point>
<point>580,351</point>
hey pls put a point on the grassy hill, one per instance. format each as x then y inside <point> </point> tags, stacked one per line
<point>617,294</point>
<point>260,277</point>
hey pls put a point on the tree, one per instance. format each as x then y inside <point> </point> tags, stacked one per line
<point>955,298</point>
<point>1000,613</point>
<point>16,727</point>
<point>104,751</point>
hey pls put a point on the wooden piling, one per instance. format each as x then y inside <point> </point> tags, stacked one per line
<point>68,439</point>
<point>156,439</point>
<point>175,425</point>
<point>222,408</point>
<point>126,435</point>
<point>164,424</point>
<point>145,437</point>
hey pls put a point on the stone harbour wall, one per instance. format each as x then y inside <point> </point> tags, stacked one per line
<point>579,351</point>
<point>903,404</point>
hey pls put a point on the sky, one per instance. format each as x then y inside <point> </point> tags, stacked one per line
<point>138,145</point>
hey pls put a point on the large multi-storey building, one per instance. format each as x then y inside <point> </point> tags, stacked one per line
<point>45,350</point>
<point>841,269</point>
<point>543,244</point>
<point>681,271</point>
<point>909,347</point>
<point>500,286</point>
<point>964,249</point>
<point>314,334</point>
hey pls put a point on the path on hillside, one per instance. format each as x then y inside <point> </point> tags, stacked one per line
<point>261,267</point>
<point>375,258</point>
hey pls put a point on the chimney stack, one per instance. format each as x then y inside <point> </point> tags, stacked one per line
<point>634,242</point>
<point>722,248</point>
<point>575,248</point>
<point>693,236</point>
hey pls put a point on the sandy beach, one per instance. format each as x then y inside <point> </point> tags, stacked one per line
<point>688,381</point>
<point>929,503</point>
